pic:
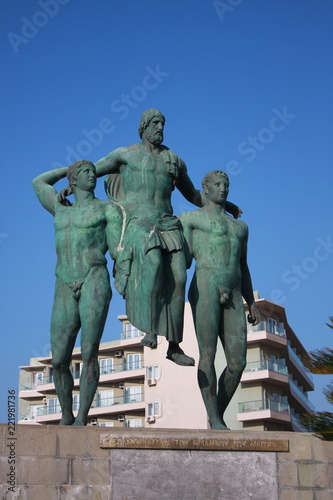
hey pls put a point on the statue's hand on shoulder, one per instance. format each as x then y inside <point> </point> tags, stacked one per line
<point>62,196</point>
<point>233,209</point>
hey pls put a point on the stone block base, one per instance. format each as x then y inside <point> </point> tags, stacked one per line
<point>89,463</point>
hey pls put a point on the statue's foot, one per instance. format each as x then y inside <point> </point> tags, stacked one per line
<point>220,426</point>
<point>67,420</point>
<point>150,340</point>
<point>177,355</point>
<point>78,421</point>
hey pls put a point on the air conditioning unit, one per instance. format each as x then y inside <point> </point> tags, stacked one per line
<point>151,419</point>
<point>118,354</point>
<point>152,381</point>
<point>121,418</point>
<point>45,401</point>
<point>94,421</point>
<point>121,385</point>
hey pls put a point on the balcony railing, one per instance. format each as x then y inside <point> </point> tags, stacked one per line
<point>301,395</point>
<point>110,401</point>
<point>266,327</point>
<point>122,366</point>
<point>132,333</point>
<point>33,386</point>
<point>296,422</point>
<point>264,404</point>
<point>136,422</point>
<point>266,365</point>
<point>97,403</point>
<point>298,361</point>
<point>45,380</point>
<point>48,410</point>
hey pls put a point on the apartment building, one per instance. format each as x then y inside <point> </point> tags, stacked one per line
<point>139,387</point>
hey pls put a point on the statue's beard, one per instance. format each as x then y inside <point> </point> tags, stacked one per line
<point>155,139</point>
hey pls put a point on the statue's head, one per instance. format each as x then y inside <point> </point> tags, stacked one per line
<point>212,177</point>
<point>74,169</point>
<point>147,117</point>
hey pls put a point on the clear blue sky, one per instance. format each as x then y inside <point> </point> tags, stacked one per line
<point>246,88</point>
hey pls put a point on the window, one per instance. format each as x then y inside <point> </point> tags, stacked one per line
<point>105,424</point>
<point>106,365</point>
<point>104,398</point>
<point>76,401</point>
<point>133,394</point>
<point>133,422</point>
<point>133,361</point>
<point>53,405</point>
<point>130,332</point>
<point>77,370</point>
<point>154,409</point>
<point>271,325</point>
<point>37,378</point>
<point>153,372</point>
<point>33,411</point>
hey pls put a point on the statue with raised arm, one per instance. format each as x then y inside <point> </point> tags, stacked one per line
<point>84,232</point>
<point>218,243</point>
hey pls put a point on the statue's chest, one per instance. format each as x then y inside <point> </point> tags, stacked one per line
<point>147,162</point>
<point>223,227</point>
<point>73,218</point>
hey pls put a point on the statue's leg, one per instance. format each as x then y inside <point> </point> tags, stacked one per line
<point>233,337</point>
<point>94,306</point>
<point>174,276</point>
<point>65,324</point>
<point>206,308</point>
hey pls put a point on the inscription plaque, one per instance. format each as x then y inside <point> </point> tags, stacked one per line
<point>211,444</point>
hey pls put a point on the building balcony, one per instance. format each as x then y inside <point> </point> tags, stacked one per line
<point>265,409</point>
<point>265,370</point>
<point>263,332</point>
<point>296,424</point>
<point>121,370</point>
<point>125,399</point>
<point>104,406</point>
<point>27,393</point>
<point>300,397</point>
<point>297,362</point>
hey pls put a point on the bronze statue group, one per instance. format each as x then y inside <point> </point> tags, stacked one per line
<point>151,249</point>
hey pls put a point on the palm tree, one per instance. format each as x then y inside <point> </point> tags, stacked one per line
<point>320,362</point>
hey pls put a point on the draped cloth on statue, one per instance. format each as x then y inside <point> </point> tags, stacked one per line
<point>142,274</point>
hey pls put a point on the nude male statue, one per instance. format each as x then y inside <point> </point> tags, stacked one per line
<point>218,243</point>
<point>83,233</point>
<point>150,262</point>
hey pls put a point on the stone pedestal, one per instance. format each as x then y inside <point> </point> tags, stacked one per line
<point>90,463</point>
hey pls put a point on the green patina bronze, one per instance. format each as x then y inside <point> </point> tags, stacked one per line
<point>145,240</point>
<point>218,243</point>
<point>84,232</point>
